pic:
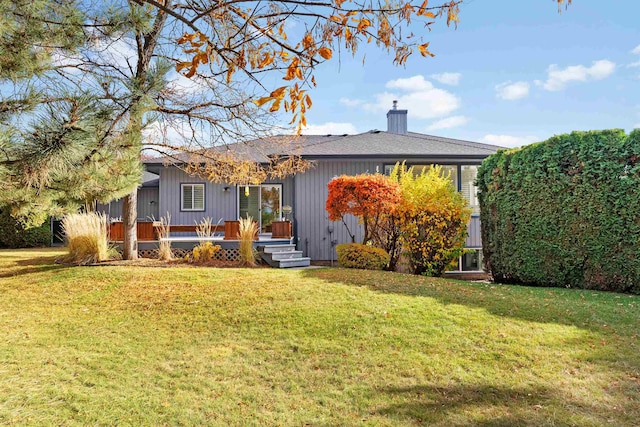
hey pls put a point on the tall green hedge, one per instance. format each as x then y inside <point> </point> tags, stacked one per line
<point>564,212</point>
<point>14,235</point>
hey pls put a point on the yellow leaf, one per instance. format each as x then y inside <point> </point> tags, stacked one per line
<point>313,80</point>
<point>182,65</point>
<point>307,98</point>
<point>278,93</point>
<point>268,59</point>
<point>325,52</point>
<point>261,101</point>
<point>275,107</point>
<point>423,49</point>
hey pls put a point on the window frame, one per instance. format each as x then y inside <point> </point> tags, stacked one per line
<point>193,186</point>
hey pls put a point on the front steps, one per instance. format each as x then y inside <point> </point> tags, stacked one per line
<point>283,256</point>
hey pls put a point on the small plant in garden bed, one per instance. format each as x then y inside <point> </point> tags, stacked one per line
<point>204,252</point>
<point>354,255</point>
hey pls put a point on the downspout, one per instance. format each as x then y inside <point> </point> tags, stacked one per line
<point>294,223</point>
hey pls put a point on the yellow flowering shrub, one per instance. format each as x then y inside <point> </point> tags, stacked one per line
<point>205,251</point>
<point>432,219</point>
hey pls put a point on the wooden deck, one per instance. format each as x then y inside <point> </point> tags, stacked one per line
<point>148,231</point>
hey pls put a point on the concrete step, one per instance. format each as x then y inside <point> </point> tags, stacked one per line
<point>294,262</point>
<point>285,255</point>
<point>269,249</point>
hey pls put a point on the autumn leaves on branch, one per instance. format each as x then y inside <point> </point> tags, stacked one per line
<point>254,39</point>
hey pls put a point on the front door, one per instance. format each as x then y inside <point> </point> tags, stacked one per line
<point>263,203</point>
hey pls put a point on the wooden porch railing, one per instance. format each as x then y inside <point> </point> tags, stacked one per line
<point>148,231</point>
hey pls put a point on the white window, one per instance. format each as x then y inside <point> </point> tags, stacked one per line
<point>192,197</point>
<point>469,190</point>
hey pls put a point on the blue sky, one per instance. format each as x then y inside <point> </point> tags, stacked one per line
<point>512,73</point>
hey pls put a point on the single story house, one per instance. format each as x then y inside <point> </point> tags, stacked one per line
<point>188,199</point>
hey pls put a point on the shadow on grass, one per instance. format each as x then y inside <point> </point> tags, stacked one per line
<point>31,266</point>
<point>485,405</point>
<point>544,305</point>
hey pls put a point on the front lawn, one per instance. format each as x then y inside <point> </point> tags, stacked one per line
<point>324,347</point>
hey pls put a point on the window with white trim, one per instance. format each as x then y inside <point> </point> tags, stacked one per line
<point>192,197</point>
<point>469,189</point>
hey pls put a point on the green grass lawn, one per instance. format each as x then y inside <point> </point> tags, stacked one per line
<point>324,347</point>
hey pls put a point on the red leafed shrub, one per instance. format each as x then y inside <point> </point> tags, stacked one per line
<point>367,197</point>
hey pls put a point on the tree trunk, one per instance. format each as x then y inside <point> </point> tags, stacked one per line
<point>129,223</point>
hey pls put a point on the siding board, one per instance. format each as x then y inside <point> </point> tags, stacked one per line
<point>311,216</point>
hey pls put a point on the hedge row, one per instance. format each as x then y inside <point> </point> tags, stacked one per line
<point>564,212</point>
<point>14,235</point>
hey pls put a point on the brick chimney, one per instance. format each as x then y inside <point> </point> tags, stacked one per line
<point>397,120</point>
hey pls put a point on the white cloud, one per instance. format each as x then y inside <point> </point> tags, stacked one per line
<point>510,91</point>
<point>508,140</point>
<point>350,102</point>
<point>557,78</point>
<point>71,62</point>
<point>116,51</point>
<point>452,79</point>
<point>448,123</point>
<point>634,64</point>
<point>636,50</point>
<point>417,95</point>
<point>330,128</point>
<point>182,84</point>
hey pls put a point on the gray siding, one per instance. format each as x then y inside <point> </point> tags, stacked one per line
<point>219,204</point>
<point>311,215</point>
<point>147,205</point>
<point>474,240</point>
<point>312,221</point>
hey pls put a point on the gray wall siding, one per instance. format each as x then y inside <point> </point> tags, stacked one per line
<point>311,215</point>
<point>146,209</point>
<point>218,203</point>
<point>474,239</point>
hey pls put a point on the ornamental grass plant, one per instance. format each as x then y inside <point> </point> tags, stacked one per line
<point>248,230</point>
<point>87,238</point>
<point>164,245</point>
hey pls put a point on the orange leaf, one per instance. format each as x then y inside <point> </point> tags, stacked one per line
<point>268,59</point>
<point>278,93</point>
<point>275,107</point>
<point>261,101</point>
<point>186,38</point>
<point>325,52</point>
<point>423,49</point>
<point>182,65</point>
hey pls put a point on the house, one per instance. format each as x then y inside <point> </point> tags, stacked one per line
<point>188,199</point>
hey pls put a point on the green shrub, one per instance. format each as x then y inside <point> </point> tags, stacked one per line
<point>14,235</point>
<point>355,255</point>
<point>563,212</point>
